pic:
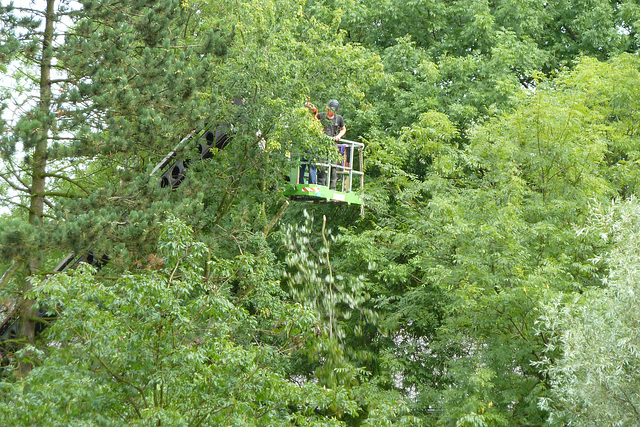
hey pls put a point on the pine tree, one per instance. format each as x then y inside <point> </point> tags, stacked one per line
<point>29,39</point>
<point>106,90</point>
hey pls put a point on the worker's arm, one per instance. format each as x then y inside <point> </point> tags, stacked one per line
<point>343,130</point>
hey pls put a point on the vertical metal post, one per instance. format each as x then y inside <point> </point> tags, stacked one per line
<point>351,148</point>
<point>361,168</point>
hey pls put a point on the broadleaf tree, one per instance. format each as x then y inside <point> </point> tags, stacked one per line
<point>491,129</point>
<point>592,360</point>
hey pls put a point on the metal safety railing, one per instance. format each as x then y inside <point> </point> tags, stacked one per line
<point>345,169</point>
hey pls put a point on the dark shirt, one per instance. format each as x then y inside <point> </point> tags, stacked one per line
<point>331,126</point>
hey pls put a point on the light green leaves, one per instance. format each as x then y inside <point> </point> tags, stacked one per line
<point>593,357</point>
<point>165,345</point>
<point>332,296</point>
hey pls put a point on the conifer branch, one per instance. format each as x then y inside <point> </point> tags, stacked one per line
<point>13,185</point>
<point>67,179</point>
<point>16,204</point>
<point>29,10</point>
<point>56,81</point>
<point>59,194</point>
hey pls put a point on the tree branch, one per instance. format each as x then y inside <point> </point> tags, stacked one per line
<point>55,81</point>
<point>59,194</point>
<point>14,186</point>
<point>9,273</point>
<point>113,375</point>
<point>16,204</point>
<point>33,11</point>
<point>69,180</point>
<point>275,219</point>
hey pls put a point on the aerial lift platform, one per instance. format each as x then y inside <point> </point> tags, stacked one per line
<point>350,178</point>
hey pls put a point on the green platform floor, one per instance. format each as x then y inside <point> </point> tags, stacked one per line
<point>314,193</point>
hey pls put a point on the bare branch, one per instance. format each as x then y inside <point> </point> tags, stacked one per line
<point>16,204</point>
<point>49,204</point>
<point>13,172</point>
<point>13,185</point>
<point>29,10</point>
<point>55,81</point>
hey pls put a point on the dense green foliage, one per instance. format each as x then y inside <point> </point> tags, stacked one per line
<point>595,382</point>
<point>475,289</point>
<point>166,346</point>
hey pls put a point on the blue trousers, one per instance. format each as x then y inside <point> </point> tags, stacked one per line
<point>312,172</point>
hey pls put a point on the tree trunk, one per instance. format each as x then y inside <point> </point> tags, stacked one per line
<point>38,171</point>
